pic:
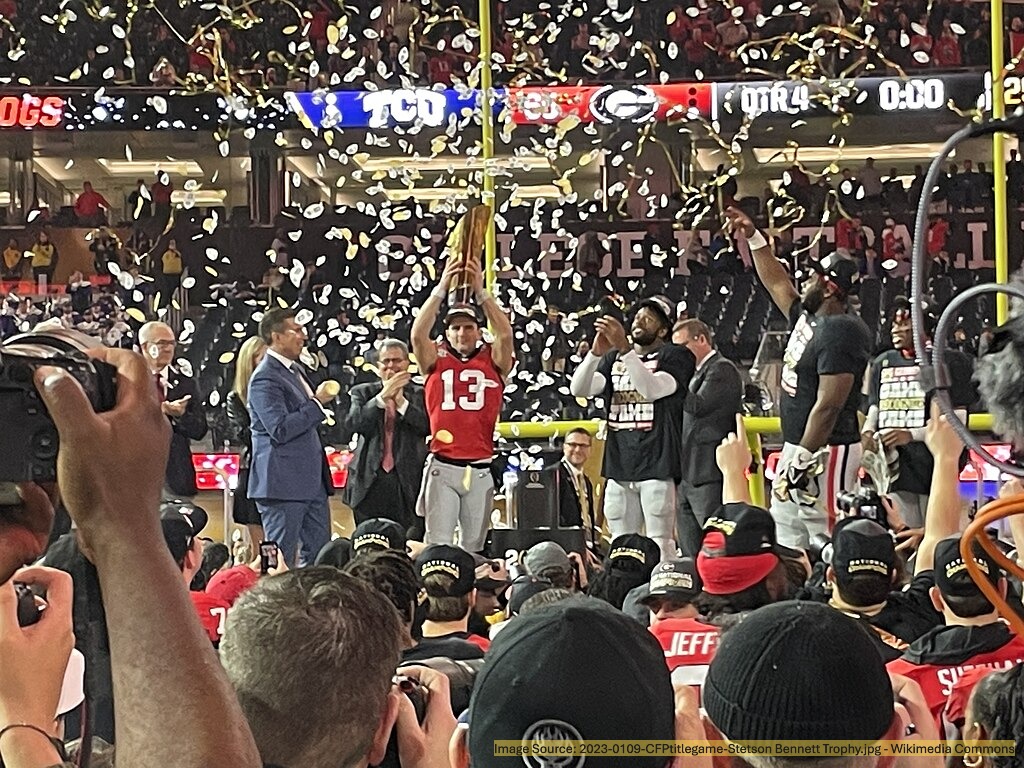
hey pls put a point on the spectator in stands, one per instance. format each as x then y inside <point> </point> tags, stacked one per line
<point>893,194</point>
<point>244,510</point>
<point>1015,177</point>
<point>291,632</point>
<point>871,180</point>
<point>916,187</point>
<point>824,364</point>
<point>104,247</point>
<point>921,43</point>
<point>1016,37</point>
<point>13,260</point>
<point>117,525</point>
<point>171,268</point>
<point>448,575</point>
<point>946,52</point>
<point>80,291</point>
<point>44,258</point>
<point>978,50</point>
<point>91,207</point>
<point>386,39</point>
<point>180,402</point>
<point>140,203</point>
<point>161,193</point>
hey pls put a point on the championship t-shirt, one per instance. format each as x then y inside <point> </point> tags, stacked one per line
<point>822,346</point>
<point>644,435</point>
<point>903,404</point>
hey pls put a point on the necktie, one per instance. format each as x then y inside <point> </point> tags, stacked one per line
<point>387,462</point>
<point>160,387</point>
<point>581,491</point>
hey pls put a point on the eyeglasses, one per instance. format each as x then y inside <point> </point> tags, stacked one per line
<point>164,344</point>
<point>392,360</point>
<point>577,445</point>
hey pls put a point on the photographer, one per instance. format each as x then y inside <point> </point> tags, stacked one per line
<point>119,531</point>
<point>33,659</point>
<point>863,573</point>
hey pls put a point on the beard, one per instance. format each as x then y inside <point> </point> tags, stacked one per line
<point>813,298</point>
<point>642,337</point>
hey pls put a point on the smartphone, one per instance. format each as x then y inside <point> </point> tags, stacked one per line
<point>268,556</point>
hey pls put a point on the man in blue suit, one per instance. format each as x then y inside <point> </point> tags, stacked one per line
<point>288,476</point>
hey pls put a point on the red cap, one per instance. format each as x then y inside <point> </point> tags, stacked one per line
<point>230,584</point>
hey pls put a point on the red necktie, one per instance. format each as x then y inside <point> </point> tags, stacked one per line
<point>387,463</point>
<point>160,387</point>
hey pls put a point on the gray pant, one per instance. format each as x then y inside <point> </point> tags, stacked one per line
<point>696,504</point>
<point>911,506</point>
<point>633,507</point>
<point>453,496</point>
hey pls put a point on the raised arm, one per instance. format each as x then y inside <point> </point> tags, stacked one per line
<point>161,655</point>
<point>503,346</point>
<point>734,457</point>
<point>770,271</point>
<point>422,341</point>
<point>942,518</point>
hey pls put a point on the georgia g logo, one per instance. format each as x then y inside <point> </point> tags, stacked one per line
<point>632,104</point>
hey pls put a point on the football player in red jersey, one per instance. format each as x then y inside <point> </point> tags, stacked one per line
<point>464,390</point>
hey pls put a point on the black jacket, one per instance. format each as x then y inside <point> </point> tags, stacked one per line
<point>410,447</point>
<point>238,418</point>
<point>709,415</point>
<point>191,425</point>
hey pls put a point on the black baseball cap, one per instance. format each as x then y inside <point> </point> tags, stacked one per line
<point>336,553</point>
<point>842,272</point>
<point>676,580</point>
<point>377,534</point>
<point>490,575</point>
<point>462,310</point>
<point>951,575</point>
<point>522,589</point>
<point>739,548</point>
<point>632,547</point>
<point>861,547</point>
<point>537,685</point>
<point>450,561</point>
<point>181,522</point>
<point>662,307</point>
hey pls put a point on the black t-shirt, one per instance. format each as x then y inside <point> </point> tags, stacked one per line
<point>909,613</point>
<point>902,404</point>
<point>454,646</point>
<point>822,346</point>
<point>644,435</point>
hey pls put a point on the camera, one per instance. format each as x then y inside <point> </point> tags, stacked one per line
<point>268,556</point>
<point>29,440</point>
<point>863,503</point>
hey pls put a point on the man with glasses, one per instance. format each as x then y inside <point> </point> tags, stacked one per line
<point>181,403</point>
<point>389,420</point>
<point>709,415</point>
<point>577,505</point>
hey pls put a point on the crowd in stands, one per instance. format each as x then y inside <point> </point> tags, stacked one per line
<point>261,47</point>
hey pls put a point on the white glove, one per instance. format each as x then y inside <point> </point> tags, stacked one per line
<point>797,479</point>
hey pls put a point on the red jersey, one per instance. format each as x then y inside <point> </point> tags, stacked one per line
<point>938,659</point>
<point>464,399</point>
<point>689,647</point>
<point>212,612</point>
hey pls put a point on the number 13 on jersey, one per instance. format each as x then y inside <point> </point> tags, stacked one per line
<point>473,382</point>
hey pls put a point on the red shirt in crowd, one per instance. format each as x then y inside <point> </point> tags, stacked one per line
<point>89,203</point>
<point>689,646</point>
<point>212,613</point>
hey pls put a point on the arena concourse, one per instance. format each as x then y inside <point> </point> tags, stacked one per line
<point>440,385</point>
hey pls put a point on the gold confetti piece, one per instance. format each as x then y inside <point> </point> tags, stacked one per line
<point>136,314</point>
<point>444,436</point>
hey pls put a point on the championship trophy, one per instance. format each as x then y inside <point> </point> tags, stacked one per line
<point>466,244</point>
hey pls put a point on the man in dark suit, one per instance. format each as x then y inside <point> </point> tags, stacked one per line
<point>390,418</point>
<point>288,474</point>
<point>709,415</point>
<point>182,404</point>
<point>577,505</point>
